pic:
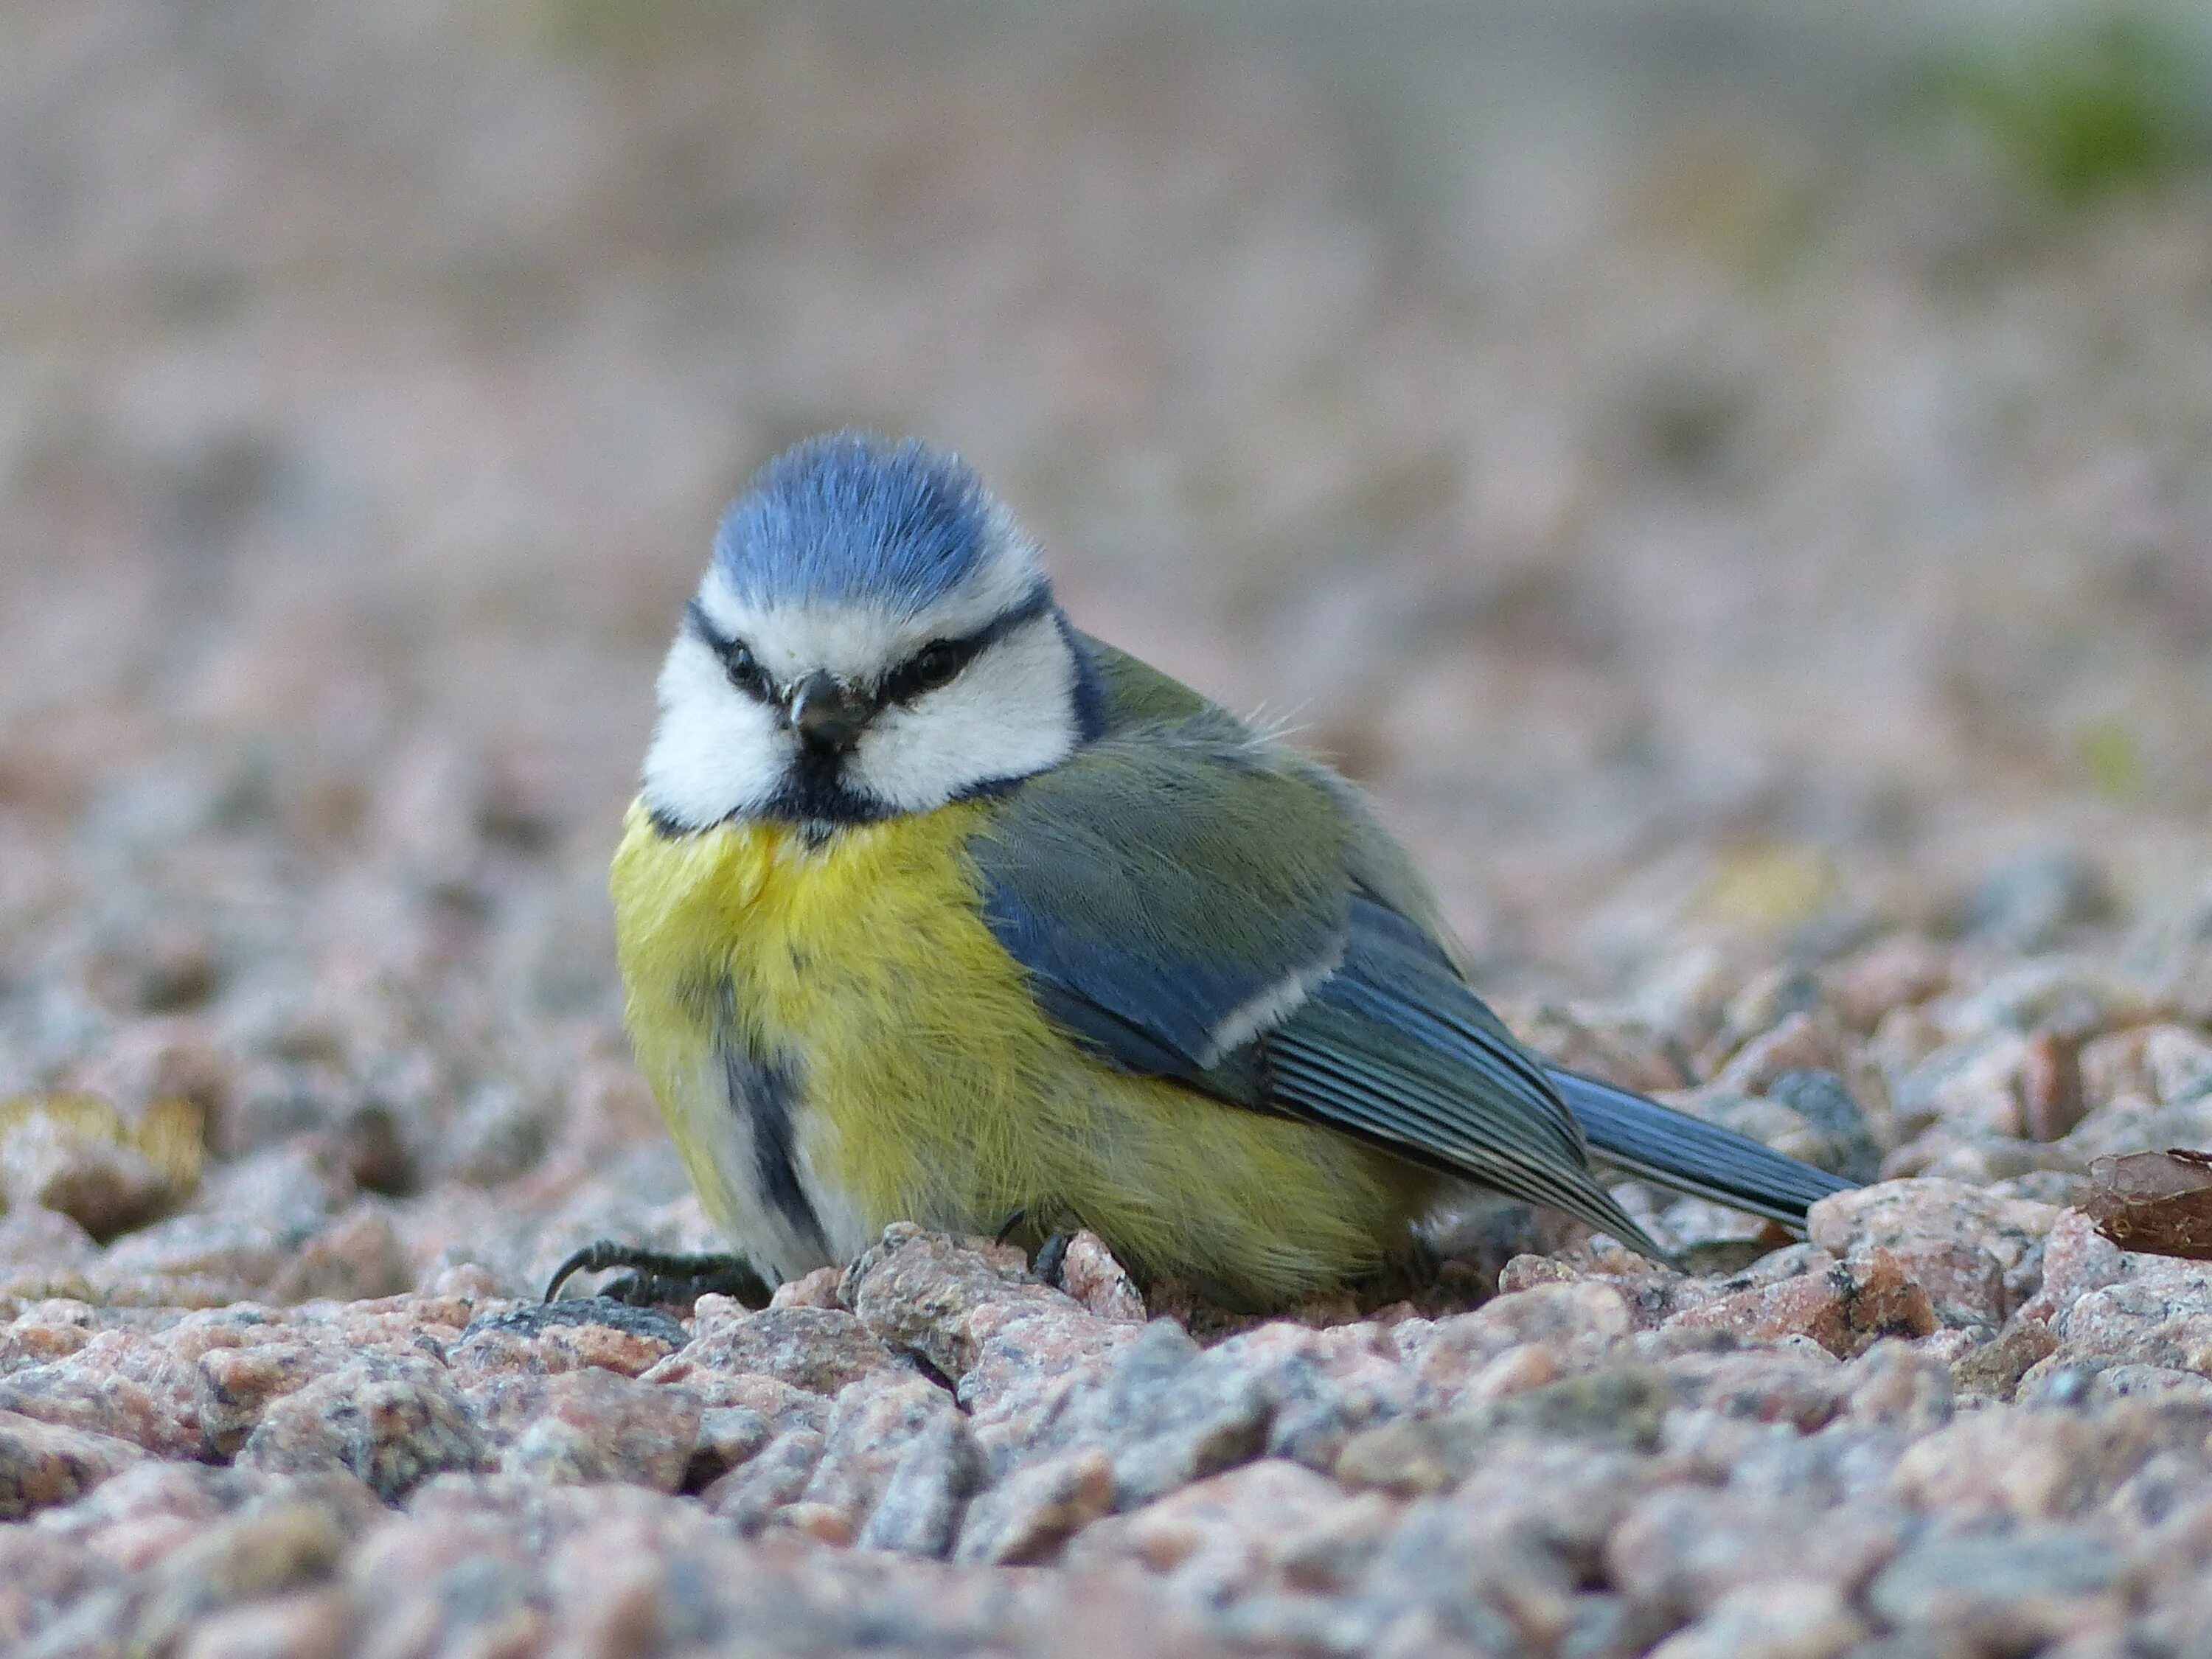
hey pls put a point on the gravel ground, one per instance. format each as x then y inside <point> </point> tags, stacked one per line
<point>1750,529</point>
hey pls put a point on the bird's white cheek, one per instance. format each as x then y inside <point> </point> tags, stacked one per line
<point>716,752</point>
<point>1010,715</point>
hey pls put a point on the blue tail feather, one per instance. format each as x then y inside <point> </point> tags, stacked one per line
<point>1685,1153</point>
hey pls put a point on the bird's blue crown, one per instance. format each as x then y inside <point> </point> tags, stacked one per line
<point>850,519</point>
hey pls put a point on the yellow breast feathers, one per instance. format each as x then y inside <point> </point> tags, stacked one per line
<point>837,1042</point>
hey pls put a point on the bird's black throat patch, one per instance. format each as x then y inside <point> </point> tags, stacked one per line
<point>767,1094</point>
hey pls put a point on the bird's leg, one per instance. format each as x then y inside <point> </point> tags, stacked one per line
<point>657,1276</point>
<point>1050,1259</point>
<point>1051,1256</point>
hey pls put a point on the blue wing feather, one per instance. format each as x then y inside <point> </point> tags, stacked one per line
<point>1107,878</point>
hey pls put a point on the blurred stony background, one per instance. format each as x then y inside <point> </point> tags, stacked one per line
<point>1734,482</point>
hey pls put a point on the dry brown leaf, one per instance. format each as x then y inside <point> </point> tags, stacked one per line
<point>2158,1203</point>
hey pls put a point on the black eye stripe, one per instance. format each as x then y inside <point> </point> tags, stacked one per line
<point>739,662</point>
<point>912,677</point>
<point>937,664</point>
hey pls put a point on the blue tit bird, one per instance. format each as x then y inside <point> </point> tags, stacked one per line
<point>933,908</point>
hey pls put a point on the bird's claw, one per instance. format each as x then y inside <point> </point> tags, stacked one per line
<point>662,1276</point>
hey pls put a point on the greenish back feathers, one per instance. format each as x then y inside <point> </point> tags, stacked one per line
<point>1195,902</point>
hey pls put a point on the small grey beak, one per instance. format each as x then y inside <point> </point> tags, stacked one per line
<point>826,713</point>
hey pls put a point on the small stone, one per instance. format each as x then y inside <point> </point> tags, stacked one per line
<point>1025,1519</point>
<point>241,1381</point>
<point>293,1536</point>
<point>816,1290</point>
<point>1089,1273</point>
<point>1498,1565</point>
<point>239,1257</point>
<point>776,1403</point>
<point>899,1462</point>
<point>391,1422</point>
<point>2004,1594</point>
<point>1766,1000</point>
<point>727,1436</point>
<point>1268,1526</point>
<point>2070,1377</point>
<point>357,1257</point>
<point>1580,1322</point>
<point>467,1283</point>
<point>312,1624</point>
<point>980,1322</point>
<point>120,1384</point>
<point>749,1495</point>
<point>2074,996</point>
<point>1525,1273</point>
<point>1409,1457</point>
<point>1904,1038</point>
<point>461,1572</point>
<point>1992,1371</point>
<point>2028,902</point>
<point>921,1507</point>
<point>1899,972</point>
<point>1783,1618</point>
<point>1966,1088</point>
<point>150,1061</point>
<point>1684,1001</point>
<point>1681,1551</point>
<point>1799,1042</point>
<point>2037,1465</point>
<point>2076,1258</point>
<point>2160,1315</point>
<point>818,1349</point>
<point>44,1577</point>
<point>1796,1382</point>
<point>591,1426</point>
<point>42,1465</point>
<point>27,1342</point>
<point>44,1239</point>
<point>1623,1406</point>
<point>153,1509</point>
<point>107,1186</point>
<point>499,1133</point>
<point>549,1337</point>
<point>1976,1256</point>
<point>1170,1418</point>
<point>2178,1064</point>
<point>821,1524</point>
<point>1891,1385</point>
<point>1824,1102</point>
<point>1844,1308</point>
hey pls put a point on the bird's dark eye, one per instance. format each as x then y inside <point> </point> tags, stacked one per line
<point>744,671</point>
<point>737,657</point>
<point>936,664</point>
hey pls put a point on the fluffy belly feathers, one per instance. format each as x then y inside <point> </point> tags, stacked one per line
<point>837,1042</point>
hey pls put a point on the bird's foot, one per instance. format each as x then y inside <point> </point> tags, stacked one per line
<point>1050,1259</point>
<point>1051,1255</point>
<point>661,1276</point>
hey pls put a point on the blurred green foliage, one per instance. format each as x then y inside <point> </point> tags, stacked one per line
<point>2109,753</point>
<point>640,30</point>
<point>2087,106</point>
